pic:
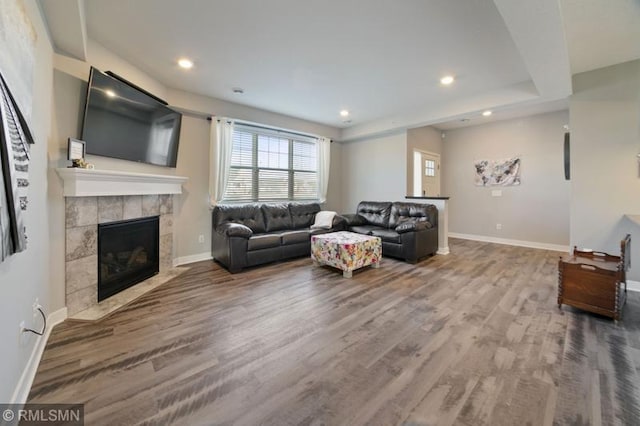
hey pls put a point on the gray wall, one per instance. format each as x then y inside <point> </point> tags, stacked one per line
<point>537,210</point>
<point>192,215</point>
<point>605,172</point>
<point>220,108</point>
<point>334,192</point>
<point>24,276</point>
<point>374,170</point>
<point>424,139</point>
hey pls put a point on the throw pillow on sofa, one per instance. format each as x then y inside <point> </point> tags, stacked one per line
<point>324,220</point>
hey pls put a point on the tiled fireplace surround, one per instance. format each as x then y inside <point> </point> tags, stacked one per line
<point>94,197</point>
<point>83,214</point>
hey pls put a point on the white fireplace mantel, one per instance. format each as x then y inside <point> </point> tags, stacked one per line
<point>89,183</point>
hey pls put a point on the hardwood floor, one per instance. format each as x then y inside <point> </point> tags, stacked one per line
<point>472,338</point>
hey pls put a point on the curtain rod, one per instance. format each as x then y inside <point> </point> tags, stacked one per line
<point>255,126</point>
<point>209,117</point>
<point>273,129</point>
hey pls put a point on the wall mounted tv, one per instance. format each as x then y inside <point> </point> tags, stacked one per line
<point>123,121</point>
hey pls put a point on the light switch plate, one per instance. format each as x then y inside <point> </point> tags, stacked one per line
<point>496,193</point>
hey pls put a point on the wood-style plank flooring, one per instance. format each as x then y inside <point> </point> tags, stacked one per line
<point>472,338</point>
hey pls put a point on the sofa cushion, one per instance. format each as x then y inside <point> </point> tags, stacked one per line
<point>263,241</point>
<point>363,229</point>
<point>387,235</point>
<point>295,237</point>
<point>339,223</point>
<point>249,215</point>
<point>320,231</point>
<point>408,212</point>
<point>375,212</point>
<point>276,217</point>
<point>303,214</point>
<point>354,220</point>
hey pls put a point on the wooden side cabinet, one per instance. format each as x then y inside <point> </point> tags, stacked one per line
<point>595,281</point>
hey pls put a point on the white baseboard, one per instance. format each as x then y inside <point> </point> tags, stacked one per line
<point>519,243</point>
<point>633,285</point>
<point>21,393</point>
<point>192,259</point>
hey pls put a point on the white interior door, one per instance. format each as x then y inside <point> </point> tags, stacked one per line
<point>430,174</point>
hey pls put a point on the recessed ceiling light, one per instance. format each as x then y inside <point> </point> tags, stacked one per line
<point>185,63</point>
<point>344,113</point>
<point>487,113</point>
<point>110,93</point>
<point>447,80</point>
<point>238,90</point>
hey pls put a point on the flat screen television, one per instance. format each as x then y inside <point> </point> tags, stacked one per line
<point>123,121</point>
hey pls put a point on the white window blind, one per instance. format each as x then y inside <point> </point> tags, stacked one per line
<point>270,165</point>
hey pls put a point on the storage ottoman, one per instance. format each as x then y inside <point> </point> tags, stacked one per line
<point>346,251</point>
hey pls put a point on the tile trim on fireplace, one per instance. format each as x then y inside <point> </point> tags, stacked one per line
<point>82,217</point>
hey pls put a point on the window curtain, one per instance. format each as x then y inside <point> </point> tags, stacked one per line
<point>221,142</point>
<point>324,159</point>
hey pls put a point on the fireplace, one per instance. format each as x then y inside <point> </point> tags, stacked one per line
<point>128,253</point>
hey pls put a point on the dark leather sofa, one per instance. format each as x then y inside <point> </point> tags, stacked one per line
<point>253,234</point>
<point>408,231</point>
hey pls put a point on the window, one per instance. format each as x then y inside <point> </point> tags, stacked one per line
<point>269,165</point>
<point>429,168</point>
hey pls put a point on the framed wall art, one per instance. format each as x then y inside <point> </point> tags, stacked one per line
<point>497,172</point>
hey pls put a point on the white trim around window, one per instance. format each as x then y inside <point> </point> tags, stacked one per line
<point>269,164</point>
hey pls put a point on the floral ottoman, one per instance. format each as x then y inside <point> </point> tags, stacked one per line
<point>346,251</point>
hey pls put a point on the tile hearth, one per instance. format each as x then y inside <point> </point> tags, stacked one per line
<point>115,302</point>
<point>83,214</point>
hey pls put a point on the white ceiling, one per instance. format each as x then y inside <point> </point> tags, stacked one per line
<point>601,32</point>
<point>381,59</point>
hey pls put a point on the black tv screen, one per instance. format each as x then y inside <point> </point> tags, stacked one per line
<point>121,121</point>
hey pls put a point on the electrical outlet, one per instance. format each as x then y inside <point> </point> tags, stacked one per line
<point>201,238</point>
<point>24,338</point>
<point>498,226</point>
<point>36,314</point>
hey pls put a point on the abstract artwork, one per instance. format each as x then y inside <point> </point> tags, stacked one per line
<point>17,59</point>
<point>497,172</point>
<point>17,56</point>
<point>15,138</point>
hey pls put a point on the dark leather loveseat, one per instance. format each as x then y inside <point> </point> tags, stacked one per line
<point>408,231</point>
<point>253,234</point>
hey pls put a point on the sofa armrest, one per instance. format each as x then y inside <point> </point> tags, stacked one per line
<point>354,220</point>
<point>339,222</point>
<point>231,229</point>
<point>412,226</point>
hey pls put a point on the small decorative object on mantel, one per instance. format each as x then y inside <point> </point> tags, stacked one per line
<point>75,152</point>
<point>497,172</point>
